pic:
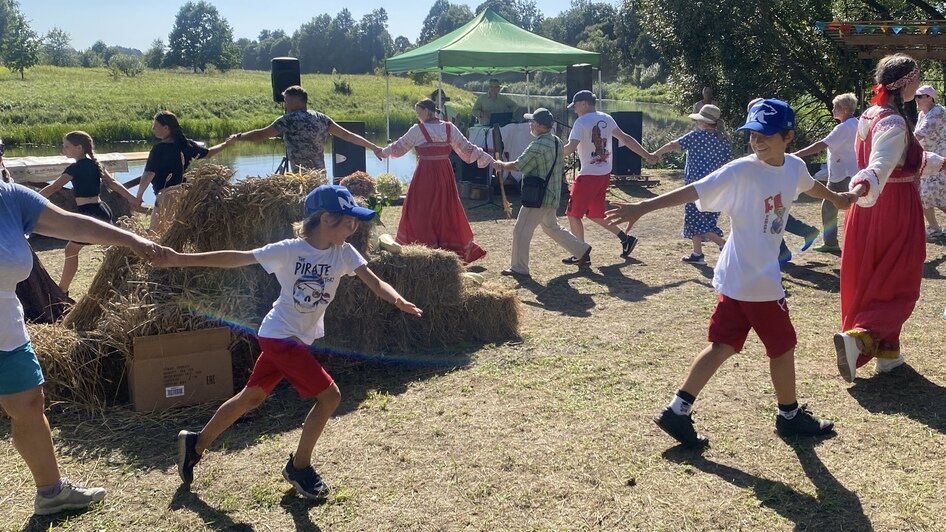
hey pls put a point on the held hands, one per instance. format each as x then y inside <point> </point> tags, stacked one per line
<point>844,200</point>
<point>407,307</point>
<point>652,158</point>
<point>625,213</point>
<point>377,153</point>
<point>499,165</point>
<point>148,250</point>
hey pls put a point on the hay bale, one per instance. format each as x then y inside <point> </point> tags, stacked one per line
<point>77,369</point>
<point>490,315</point>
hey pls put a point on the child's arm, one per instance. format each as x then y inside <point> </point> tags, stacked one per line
<point>119,189</point>
<point>211,259</point>
<point>635,146</point>
<point>386,291</point>
<point>631,212</point>
<point>49,190</point>
<point>841,201</point>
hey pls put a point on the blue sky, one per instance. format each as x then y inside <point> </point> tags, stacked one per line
<point>135,23</point>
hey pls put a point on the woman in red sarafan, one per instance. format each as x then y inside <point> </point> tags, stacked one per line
<point>433,215</point>
<point>884,240</point>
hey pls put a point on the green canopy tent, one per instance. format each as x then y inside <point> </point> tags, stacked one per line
<point>486,45</point>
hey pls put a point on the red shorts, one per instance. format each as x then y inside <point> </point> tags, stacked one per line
<point>732,319</point>
<point>287,359</point>
<point>587,196</point>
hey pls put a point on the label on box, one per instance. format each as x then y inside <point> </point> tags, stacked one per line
<point>174,391</point>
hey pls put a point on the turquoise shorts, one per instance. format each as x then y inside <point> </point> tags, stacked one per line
<point>19,370</point>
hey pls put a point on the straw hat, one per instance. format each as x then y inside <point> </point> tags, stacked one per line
<point>709,114</point>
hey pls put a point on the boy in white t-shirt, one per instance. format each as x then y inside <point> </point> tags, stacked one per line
<point>591,138</point>
<point>757,192</point>
<point>308,269</point>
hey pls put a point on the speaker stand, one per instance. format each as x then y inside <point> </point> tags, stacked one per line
<point>489,195</point>
<point>283,165</point>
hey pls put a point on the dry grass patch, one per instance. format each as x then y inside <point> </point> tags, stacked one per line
<point>554,433</point>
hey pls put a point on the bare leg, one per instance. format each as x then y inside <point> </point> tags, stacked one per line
<point>782,369</point>
<point>70,266</point>
<point>31,435</point>
<point>930,215</point>
<point>227,414</point>
<point>697,245</point>
<point>705,366</point>
<point>326,403</point>
<point>577,227</point>
<point>716,239</point>
<point>607,225</point>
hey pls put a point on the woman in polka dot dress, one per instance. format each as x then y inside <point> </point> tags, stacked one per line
<point>708,148</point>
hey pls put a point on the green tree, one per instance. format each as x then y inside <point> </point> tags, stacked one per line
<point>7,8</point>
<point>754,49</point>
<point>401,45</point>
<point>154,57</point>
<point>201,37</point>
<point>443,18</point>
<point>310,45</point>
<point>20,44</point>
<point>57,49</point>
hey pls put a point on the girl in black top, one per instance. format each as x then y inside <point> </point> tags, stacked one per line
<point>86,175</point>
<point>167,163</point>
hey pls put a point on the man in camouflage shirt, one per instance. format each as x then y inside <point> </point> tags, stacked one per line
<point>304,132</point>
<point>538,159</point>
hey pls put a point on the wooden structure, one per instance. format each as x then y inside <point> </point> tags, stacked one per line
<point>46,169</point>
<point>921,39</point>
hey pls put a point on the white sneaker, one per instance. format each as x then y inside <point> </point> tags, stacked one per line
<point>886,365</point>
<point>846,347</point>
<point>72,497</point>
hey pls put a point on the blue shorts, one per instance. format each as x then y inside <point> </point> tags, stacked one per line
<point>19,370</point>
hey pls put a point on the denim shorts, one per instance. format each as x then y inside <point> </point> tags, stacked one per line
<point>19,370</point>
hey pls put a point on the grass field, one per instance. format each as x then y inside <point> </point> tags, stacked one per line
<point>555,432</point>
<point>53,101</point>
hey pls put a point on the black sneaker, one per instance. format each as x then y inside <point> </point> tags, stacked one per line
<point>680,428</point>
<point>187,456</point>
<point>306,481</point>
<point>695,259</point>
<point>627,246</point>
<point>803,424</point>
<point>579,261</point>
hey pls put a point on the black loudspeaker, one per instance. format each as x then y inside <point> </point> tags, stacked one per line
<point>285,73</point>
<point>577,78</point>
<point>348,158</point>
<point>627,162</point>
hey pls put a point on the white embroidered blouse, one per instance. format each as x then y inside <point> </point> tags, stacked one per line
<point>467,151</point>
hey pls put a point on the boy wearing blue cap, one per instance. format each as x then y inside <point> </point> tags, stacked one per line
<point>757,192</point>
<point>308,269</point>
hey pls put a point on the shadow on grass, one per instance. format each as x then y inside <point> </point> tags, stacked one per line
<point>560,296</point>
<point>931,268</point>
<point>148,441</point>
<point>44,523</point>
<point>213,518</point>
<point>834,507</point>
<point>298,508</point>
<point>903,391</point>
<point>809,276</point>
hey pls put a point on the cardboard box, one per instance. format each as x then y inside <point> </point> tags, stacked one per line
<point>180,369</point>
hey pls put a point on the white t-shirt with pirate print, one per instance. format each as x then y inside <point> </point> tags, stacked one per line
<point>593,131</point>
<point>757,198</point>
<point>308,278</point>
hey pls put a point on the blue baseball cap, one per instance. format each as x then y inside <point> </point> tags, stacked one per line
<point>769,116</point>
<point>335,199</point>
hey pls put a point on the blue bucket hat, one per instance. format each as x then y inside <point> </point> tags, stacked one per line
<point>335,199</point>
<point>769,117</point>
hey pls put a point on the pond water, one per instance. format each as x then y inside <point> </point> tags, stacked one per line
<point>661,123</point>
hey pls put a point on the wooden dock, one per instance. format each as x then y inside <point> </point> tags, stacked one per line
<point>46,169</point>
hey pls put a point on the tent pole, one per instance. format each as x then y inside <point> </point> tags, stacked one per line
<point>440,92</point>
<point>528,94</point>
<point>599,83</point>
<point>387,116</point>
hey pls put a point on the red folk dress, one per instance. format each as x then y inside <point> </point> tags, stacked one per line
<point>433,215</point>
<point>884,240</point>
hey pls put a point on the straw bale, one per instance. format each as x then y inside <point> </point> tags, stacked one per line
<point>78,369</point>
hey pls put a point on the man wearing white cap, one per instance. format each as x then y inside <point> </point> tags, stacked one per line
<point>931,132</point>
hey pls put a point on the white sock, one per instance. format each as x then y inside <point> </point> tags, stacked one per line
<point>789,414</point>
<point>680,407</point>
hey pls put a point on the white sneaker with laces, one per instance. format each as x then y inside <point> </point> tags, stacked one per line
<point>847,351</point>
<point>72,497</point>
<point>886,365</point>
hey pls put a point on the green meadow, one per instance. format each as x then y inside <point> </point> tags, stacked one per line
<point>52,101</point>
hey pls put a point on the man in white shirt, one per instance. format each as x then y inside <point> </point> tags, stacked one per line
<point>842,164</point>
<point>591,138</point>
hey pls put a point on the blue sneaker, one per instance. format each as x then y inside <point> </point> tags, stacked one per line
<point>306,481</point>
